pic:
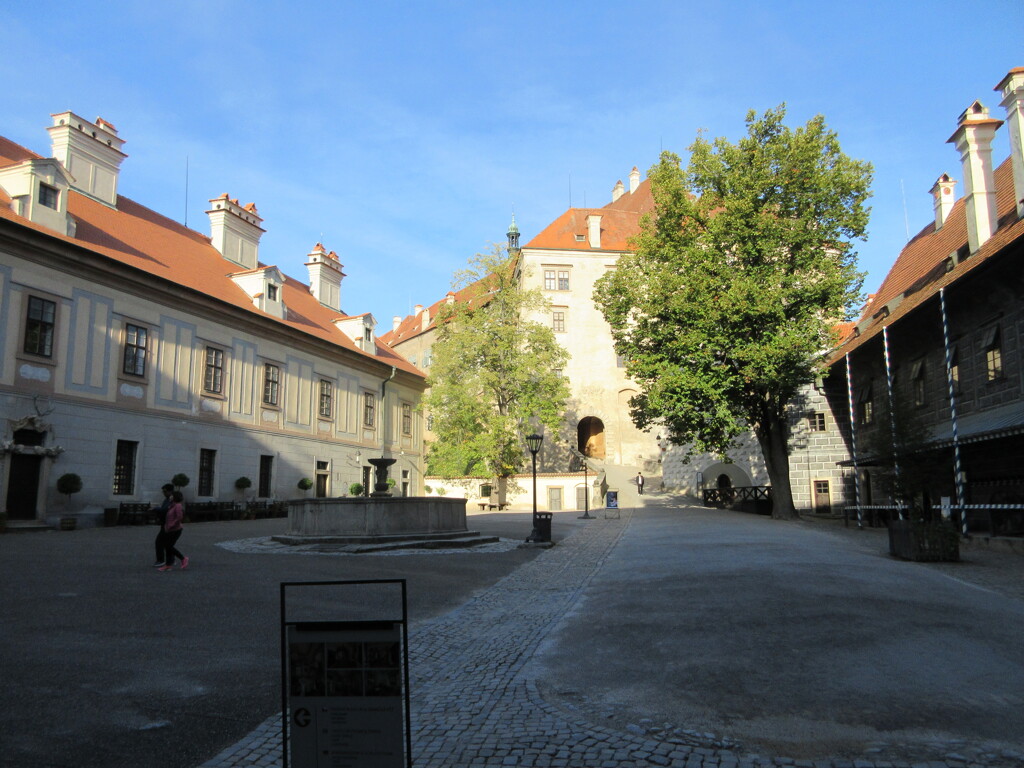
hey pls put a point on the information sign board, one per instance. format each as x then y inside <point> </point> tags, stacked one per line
<point>346,693</point>
<point>611,499</point>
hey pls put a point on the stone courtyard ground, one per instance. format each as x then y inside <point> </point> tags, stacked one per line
<point>672,636</point>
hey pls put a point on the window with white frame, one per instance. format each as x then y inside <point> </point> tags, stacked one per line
<point>135,339</point>
<point>39,325</point>
<point>407,419</point>
<point>326,409</point>
<point>213,379</point>
<point>271,384</point>
<point>369,410</point>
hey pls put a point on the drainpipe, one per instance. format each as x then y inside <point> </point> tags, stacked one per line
<point>383,409</point>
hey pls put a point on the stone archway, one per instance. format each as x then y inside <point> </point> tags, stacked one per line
<point>590,437</point>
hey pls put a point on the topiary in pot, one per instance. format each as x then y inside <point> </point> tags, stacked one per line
<point>180,480</point>
<point>69,484</point>
<point>243,483</point>
<point>304,484</point>
<point>356,489</point>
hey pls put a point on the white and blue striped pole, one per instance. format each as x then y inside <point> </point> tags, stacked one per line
<point>958,474</point>
<point>853,443</point>
<point>892,420</point>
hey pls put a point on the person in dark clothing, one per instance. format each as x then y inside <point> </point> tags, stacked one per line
<point>172,532</point>
<point>161,518</point>
<point>640,483</point>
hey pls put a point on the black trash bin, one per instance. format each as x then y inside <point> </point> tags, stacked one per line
<point>541,527</point>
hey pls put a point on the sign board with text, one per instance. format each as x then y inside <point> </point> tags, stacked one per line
<point>345,693</point>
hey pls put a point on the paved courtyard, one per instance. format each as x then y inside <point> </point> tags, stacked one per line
<point>672,636</point>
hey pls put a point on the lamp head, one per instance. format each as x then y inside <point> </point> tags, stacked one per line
<point>533,442</point>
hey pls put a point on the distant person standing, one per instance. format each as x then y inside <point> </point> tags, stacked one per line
<point>172,532</point>
<point>640,483</point>
<point>161,518</point>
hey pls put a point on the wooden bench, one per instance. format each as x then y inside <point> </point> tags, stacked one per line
<point>486,505</point>
<point>135,513</point>
<point>208,511</point>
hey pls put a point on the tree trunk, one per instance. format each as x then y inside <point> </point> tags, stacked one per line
<point>772,439</point>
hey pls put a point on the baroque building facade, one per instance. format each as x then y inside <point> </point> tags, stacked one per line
<point>134,348</point>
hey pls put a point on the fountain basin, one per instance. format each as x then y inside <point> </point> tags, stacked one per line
<point>375,519</point>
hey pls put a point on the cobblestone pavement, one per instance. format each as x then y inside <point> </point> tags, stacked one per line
<point>476,703</point>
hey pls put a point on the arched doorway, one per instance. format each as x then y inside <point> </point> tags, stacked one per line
<point>590,437</point>
<point>724,481</point>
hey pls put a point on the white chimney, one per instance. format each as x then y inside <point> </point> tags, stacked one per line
<point>395,322</point>
<point>973,139</point>
<point>449,298</point>
<point>91,152</point>
<point>943,199</point>
<point>417,309</point>
<point>634,179</point>
<point>325,277</point>
<point>618,190</point>
<point>235,230</point>
<point>1012,89</point>
<point>594,230</point>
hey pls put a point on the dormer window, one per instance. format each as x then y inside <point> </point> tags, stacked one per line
<point>49,196</point>
<point>367,335</point>
<point>271,293</point>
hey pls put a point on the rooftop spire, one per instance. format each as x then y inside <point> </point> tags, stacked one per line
<point>513,237</point>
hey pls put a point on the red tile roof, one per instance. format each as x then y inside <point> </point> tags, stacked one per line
<point>142,239</point>
<point>920,271</point>
<point>620,221</point>
<point>413,325</point>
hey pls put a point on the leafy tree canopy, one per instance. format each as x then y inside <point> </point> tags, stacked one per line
<point>738,279</point>
<point>495,373</point>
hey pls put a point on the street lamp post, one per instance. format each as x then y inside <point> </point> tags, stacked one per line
<point>533,442</point>
<point>586,490</point>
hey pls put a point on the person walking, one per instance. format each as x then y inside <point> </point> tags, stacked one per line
<point>161,517</point>
<point>640,483</point>
<point>172,532</point>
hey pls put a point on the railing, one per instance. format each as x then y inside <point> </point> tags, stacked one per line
<point>752,498</point>
<point>989,519</point>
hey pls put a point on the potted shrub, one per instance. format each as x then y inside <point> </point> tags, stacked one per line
<point>924,540</point>
<point>69,484</point>
<point>304,485</point>
<point>356,489</point>
<point>179,481</point>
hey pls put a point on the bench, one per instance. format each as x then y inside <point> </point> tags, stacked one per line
<point>486,505</point>
<point>135,513</point>
<point>208,511</point>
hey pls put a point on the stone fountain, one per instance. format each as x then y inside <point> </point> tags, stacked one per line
<point>380,521</point>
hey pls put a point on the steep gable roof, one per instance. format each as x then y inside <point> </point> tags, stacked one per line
<point>924,265</point>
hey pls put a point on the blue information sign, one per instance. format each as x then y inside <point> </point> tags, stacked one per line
<point>612,499</point>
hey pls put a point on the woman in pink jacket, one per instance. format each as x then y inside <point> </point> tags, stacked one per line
<point>172,532</point>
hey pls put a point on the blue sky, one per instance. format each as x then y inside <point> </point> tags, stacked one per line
<point>403,134</point>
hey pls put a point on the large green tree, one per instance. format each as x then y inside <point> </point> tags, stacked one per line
<point>739,277</point>
<point>495,374</point>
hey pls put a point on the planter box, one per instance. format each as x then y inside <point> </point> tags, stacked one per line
<point>924,542</point>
